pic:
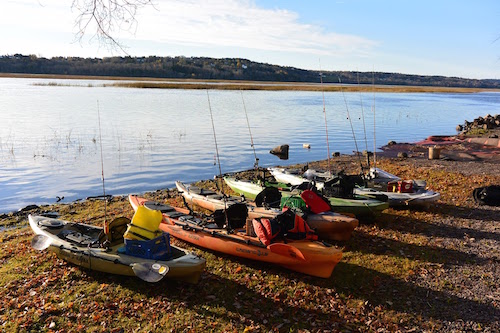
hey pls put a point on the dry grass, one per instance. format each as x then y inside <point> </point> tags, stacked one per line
<point>161,83</point>
<point>433,270</point>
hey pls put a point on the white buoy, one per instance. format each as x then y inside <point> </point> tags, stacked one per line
<point>306,145</point>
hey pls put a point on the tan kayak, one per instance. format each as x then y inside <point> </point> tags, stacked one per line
<point>328,225</point>
<point>81,244</point>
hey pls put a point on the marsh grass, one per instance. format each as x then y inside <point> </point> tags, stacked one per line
<point>295,86</point>
<point>60,84</point>
<point>156,83</point>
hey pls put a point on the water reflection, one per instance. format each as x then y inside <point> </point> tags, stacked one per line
<point>49,134</point>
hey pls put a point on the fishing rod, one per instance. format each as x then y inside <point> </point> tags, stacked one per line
<point>102,169</point>
<point>256,164</point>
<point>374,137</point>
<point>218,159</point>
<point>364,126</point>
<point>350,122</point>
<point>326,126</point>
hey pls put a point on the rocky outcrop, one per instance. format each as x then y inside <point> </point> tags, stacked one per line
<point>486,123</point>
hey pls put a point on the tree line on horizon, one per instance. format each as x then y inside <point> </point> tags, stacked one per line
<point>204,68</point>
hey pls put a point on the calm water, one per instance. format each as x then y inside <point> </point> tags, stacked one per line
<point>50,146</point>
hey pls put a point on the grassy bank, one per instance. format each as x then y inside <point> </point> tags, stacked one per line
<point>159,83</point>
<point>434,270</point>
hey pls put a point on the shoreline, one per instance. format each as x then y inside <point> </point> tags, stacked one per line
<point>166,83</point>
<point>460,154</point>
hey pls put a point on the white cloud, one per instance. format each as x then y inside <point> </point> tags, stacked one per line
<point>241,24</point>
<point>49,26</point>
<point>239,28</point>
<point>37,15</point>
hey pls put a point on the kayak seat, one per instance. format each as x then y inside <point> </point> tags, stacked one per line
<point>114,231</point>
<point>174,214</point>
<point>219,218</point>
<point>201,191</point>
<point>342,185</point>
<point>236,216</point>
<point>268,197</point>
<point>215,196</point>
<point>154,205</point>
<point>315,202</point>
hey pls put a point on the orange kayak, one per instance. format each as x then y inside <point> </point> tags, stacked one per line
<point>304,256</point>
<point>328,225</point>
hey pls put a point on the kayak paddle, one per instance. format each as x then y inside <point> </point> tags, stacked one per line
<point>150,272</point>
<point>40,242</point>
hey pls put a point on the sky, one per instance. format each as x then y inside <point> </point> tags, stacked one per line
<point>458,38</point>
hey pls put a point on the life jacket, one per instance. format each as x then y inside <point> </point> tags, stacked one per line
<point>266,229</point>
<point>286,225</point>
<point>144,225</point>
<point>295,227</point>
<point>315,202</point>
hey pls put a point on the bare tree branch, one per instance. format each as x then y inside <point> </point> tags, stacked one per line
<point>107,17</point>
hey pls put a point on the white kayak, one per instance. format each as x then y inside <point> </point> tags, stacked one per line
<point>398,191</point>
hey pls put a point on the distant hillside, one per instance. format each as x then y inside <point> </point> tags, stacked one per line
<point>221,69</point>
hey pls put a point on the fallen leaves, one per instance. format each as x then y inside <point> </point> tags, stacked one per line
<point>393,276</point>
